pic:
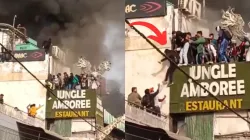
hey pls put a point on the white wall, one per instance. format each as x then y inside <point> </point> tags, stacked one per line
<point>229,123</point>
<point>79,125</point>
<point>189,25</point>
<point>139,67</point>
<point>20,88</point>
<point>4,39</point>
<point>56,66</point>
<point>142,61</point>
<point>159,22</point>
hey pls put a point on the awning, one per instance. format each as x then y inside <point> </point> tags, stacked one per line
<point>140,132</point>
<point>32,132</point>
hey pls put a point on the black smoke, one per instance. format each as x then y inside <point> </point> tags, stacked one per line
<point>78,25</point>
<point>115,100</point>
<point>90,28</point>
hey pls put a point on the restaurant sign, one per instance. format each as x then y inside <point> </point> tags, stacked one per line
<point>228,82</point>
<point>83,102</point>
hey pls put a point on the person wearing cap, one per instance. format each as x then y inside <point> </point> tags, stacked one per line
<point>223,42</point>
<point>1,99</point>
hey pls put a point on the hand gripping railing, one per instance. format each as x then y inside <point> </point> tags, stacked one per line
<point>21,116</point>
<point>142,116</point>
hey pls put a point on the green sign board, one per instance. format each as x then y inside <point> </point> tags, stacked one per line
<point>28,46</point>
<point>229,82</point>
<point>81,101</point>
<point>99,112</point>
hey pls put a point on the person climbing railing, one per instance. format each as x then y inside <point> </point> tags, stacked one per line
<point>21,116</point>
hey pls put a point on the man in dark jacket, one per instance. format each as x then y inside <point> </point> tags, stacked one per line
<point>148,100</point>
<point>223,40</point>
<point>173,41</point>
<point>46,45</point>
<point>174,56</point>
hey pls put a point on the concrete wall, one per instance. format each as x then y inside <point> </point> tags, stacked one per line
<point>20,88</point>
<point>159,22</point>
<point>8,128</point>
<point>142,61</point>
<point>189,25</point>
<point>56,66</point>
<point>229,123</point>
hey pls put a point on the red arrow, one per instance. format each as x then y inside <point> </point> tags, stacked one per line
<point>159,37</point>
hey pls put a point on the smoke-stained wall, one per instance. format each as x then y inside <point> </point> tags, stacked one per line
<point>57,66</point>
<point>189,25</point>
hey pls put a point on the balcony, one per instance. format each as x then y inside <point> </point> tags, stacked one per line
<point>142,117</point>
<point>21,116</point>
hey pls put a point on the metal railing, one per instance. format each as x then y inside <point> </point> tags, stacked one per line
<point>142,116</point>
<point>21,116</point>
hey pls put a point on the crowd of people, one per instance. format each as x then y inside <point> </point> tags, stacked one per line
<point>200,50</point>
<point>149,101</point>
<point>190,50</point>
<point>71,81</point>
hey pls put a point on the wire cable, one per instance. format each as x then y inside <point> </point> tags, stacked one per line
<point>186,74</point>
<point>50,91</point>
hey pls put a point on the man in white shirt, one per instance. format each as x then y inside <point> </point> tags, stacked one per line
<point>184,50</point>
<point>212,53</point>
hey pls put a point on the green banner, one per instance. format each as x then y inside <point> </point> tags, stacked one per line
<point>27,46</point>
<point>99,113</point>
<point>228,82</point>
<point>82,101</point>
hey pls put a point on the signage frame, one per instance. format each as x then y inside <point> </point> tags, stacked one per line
<point>29,55</point>
<point>90,94</point>
<point>237,101</point>
<point>145,8</point>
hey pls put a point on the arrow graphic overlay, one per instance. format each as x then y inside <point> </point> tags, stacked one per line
<point>159,37</point>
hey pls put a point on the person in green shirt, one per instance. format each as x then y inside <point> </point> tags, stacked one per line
<point>75,81</point>
<point>200,47</point>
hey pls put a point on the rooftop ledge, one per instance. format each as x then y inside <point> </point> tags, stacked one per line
<point>21,116</point>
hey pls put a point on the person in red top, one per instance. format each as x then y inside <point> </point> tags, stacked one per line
<point>234,52</point>
<point>241,50</point>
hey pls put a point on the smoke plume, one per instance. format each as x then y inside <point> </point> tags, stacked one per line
<point>94,29</point>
